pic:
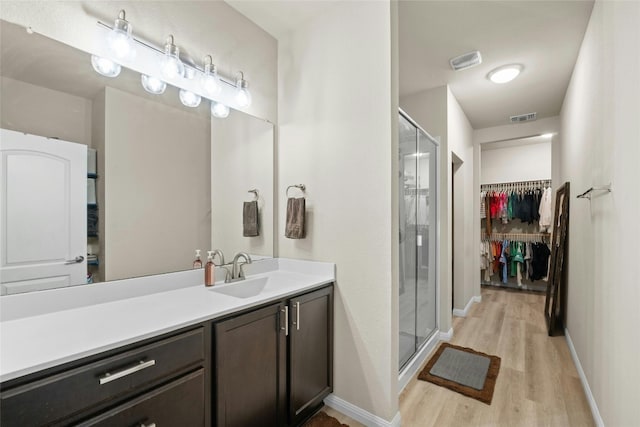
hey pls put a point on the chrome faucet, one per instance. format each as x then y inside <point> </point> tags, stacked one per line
<point>237,273</point>
<point>220,255</point>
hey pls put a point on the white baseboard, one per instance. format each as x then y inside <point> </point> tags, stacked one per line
<point>415,364</point>
<point>446,336</point>
<point>359,414</point>
<point>585,384</point>
<point>463,313</point>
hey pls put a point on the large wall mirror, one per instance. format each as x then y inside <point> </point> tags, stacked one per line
<point>170,179</point>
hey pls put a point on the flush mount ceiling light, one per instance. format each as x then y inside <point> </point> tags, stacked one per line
<point>466,60</point>
<point>105,66</point>
<point>119,39</point>
<point>504,74</point>
<point>189,99</point>
<point>219,110</point>
<point>152,84</point>
<point>243,97</point>
<point>116,47</point>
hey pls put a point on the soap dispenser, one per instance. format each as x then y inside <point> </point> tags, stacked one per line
<point>197,263</point>
<point>209,270</point>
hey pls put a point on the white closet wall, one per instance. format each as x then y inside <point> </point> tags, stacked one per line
<point>515,163</point>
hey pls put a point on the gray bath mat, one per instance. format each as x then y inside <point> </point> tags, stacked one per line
<point>462,367</point>
<point>463,370</point>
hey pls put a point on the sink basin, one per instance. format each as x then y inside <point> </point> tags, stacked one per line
<point>244,289</point>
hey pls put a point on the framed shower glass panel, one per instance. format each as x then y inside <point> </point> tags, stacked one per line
<point>418,237</point>
<point>408,251</point>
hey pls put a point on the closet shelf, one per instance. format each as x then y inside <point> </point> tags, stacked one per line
<point>520,237</point>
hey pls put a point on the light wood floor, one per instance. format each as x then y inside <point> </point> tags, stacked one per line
<point>538,384</point>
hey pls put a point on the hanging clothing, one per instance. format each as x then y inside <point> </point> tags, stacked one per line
<point>545,211</point>
<point>540,261</point>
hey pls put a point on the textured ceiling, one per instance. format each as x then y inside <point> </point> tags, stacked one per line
<point>543,36</point>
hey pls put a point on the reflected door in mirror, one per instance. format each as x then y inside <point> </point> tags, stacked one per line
<point>44,213</point>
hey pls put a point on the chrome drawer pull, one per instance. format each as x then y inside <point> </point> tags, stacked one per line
<point>108,377</point>
<point>148,425</point>
<point>297,315</point>
<point>285,310</point>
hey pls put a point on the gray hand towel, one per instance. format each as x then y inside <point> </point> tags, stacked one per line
<point>295,218</point>
<point>250,227</point>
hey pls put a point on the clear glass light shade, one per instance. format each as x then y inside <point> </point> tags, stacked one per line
<point>210,82</point>
<point>121,43</point>
<point>172,67</point>
<point>152,84</point>
<point>505,74</point>
<point>219,110</point>
<point>243,97</point>
<point>105,66</point>
<point>189,99</point>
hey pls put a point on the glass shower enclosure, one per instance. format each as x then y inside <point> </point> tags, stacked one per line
<point>418,168</point>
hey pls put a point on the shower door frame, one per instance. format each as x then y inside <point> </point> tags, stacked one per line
<point>429,339</point>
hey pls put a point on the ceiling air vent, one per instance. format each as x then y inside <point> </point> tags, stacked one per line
<point>467,60</point>
<point>523,118</point>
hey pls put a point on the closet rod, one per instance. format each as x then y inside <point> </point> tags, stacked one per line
<point>522,237</point>
<point>534,181</point>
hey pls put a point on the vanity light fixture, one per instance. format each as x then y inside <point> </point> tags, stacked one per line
<point>210,81</point>
<point>152,84</point>
<point>189,99</point>
<point>504,74</point>
<point>219,110</point>
<point>159,67</point>
<point>120,40</point>
<point>105,66</point>
<point>243,97</point>
<point>171,65</point>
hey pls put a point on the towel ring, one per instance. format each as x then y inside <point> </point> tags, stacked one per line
<point>302,187</point>
<point>255,194</point>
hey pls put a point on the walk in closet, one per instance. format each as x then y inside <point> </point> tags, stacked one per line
<point>514,248</point>
<point>418,226</point>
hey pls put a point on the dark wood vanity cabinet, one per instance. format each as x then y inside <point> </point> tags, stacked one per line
<point>145,383</point>
<point>266,366</point>
<point>273,366</point>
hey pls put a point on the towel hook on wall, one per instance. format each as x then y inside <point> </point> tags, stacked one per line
<point>302,188</point>
<point>255,193</point>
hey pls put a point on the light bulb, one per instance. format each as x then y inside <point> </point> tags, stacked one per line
<point>120,40</point>
<point>210,81</point>
<point>243,96</point>
<point>219,110</point>
<point>152,84</point>
<point>189,99</point>
<point>105,66</point>
<point>171,66</point>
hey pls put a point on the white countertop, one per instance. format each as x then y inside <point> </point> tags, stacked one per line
<point>95,324</point>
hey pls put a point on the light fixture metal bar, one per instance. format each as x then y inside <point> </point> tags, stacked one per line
<point>224,79</point>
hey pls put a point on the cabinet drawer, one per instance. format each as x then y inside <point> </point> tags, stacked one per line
<point>180,403</point>
<point>99,383</point>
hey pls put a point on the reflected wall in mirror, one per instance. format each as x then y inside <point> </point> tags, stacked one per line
<point>158,196</point>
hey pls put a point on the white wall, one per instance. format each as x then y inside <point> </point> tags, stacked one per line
<point>466,259</point>
<point>336,137</point>
<point>440,114</point>
<point>242,148</point>
<point>601,131</point>
<point>156,160</point>
<point>518,163</point>
<point>200,28</point>
<point>41,111</point>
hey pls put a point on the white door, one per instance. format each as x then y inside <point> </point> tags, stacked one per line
<point>43,213</point>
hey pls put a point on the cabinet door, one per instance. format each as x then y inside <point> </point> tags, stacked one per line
<point>310,352</point>
<point>179,403</point>
<point>251,369</point>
